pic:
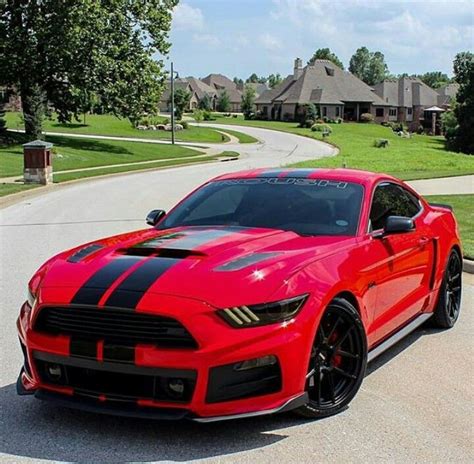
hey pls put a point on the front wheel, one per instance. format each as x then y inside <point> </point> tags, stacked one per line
<point>337,362</point>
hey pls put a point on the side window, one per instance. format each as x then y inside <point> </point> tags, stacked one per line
<point>391,200</point>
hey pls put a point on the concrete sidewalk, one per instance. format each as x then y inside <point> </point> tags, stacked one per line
<point>444,185</point>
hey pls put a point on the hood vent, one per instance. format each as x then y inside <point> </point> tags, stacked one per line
<point>81,254</point>
<point>163,252</point>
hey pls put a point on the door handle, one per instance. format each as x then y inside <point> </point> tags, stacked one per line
<point>423,241</point>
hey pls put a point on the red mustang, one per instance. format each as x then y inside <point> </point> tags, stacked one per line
<point>262,291</point>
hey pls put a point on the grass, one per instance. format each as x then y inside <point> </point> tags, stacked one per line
<point>75,153</point>
<point>112,126</point>
<point>464,212</point>
<point>243,138</point>
<point>8,189</point>
<point>420,157</point>
<point>64,177</point>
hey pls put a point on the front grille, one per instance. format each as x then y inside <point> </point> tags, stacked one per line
<point>123,327</point>
<point>92,379</point>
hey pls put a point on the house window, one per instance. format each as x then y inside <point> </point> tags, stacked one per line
<point>379,112</point>
<point>338,111</point>
<point>392,112</point>
<point>325,111</point>
<point>409,111</point>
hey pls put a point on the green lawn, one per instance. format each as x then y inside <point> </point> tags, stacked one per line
<point>416,158</point>
<point>75,153</point>
<point>243,138</point>
<point>8,189</point>
<point>464,212</point>
<point>112,126</point>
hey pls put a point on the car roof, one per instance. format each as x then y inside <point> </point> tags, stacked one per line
<point>339,174</point>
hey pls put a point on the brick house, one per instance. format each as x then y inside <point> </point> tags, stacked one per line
<point>335,92</point>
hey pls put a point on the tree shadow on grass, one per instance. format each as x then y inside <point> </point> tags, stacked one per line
<point>69,125</point>
<point>89,145</point>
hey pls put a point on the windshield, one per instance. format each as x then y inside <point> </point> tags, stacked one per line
<point>304,206</point>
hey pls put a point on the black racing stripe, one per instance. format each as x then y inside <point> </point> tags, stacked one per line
<point>131,290</point>
<point>271,173</point>
<point>79,255</point>
<point>119,353</point>
<point>299,173</point>
<point>93,290</point>
<point>83,348</point>
<point>189,240</point>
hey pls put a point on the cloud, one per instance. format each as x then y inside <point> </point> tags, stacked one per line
<point>187,18</point>
<point>207,39</point>
<point>270,42</point>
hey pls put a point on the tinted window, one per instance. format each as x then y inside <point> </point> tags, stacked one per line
<point>391,200</point>
<point>305,206</point>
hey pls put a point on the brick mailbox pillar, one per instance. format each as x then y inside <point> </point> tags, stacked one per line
<point>38,168</point>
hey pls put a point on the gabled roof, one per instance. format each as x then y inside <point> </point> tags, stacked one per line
<point>406,92</point>
<point>447,93</point>
<point>200,87</point>
<point>178,84</point>
<point>322,83</point>
<point>235,96</point>
<point>269,95</point>
<point>219,81</point>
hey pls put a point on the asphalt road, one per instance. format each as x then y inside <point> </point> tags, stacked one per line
<point>414,405</point>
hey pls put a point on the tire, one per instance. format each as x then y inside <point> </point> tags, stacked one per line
<point>337,362</point>
<point>448,306</point>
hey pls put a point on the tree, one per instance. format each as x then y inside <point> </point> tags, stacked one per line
<point>369,67</point>
<point>55,54</point>
<point>223,102</point>
<point>198,115</point>
<point>248,102</point>
<point>326,54</point>
<point>254,79</point>
<point>181,102</point>
<point>3,123</point>
<point>274,80</point>
<point>435,79</point>
<point>464,110</point>
<point>238,81</point>
<point>205,103</point>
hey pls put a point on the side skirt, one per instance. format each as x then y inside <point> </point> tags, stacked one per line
<point>397,336</point>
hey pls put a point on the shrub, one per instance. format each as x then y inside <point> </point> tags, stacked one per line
<point>236,115</point>
<point>367,117</point>
<point>207,116</point>
<point>319,121</point>
<point>321,128</point>
<point>381,143</point>
<point>198,115</point>
<point>307,123</point>
<point>185,124</point>
<point>338,120</point>
<point>287,117</point>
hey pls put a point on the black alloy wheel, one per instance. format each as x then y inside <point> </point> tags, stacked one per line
<point>449,299</point>
<point>337,362</point>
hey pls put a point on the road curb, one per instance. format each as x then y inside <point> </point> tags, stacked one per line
<point>468,266</point>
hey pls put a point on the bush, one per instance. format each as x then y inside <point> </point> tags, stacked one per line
<point>185,124</point>
<point>381,143</point>
<point>338,120</point>
<point>367,117</point>
<point>307,123</point>
<point>198,115</point>
<point>207,115</point>
<point>321,128</point>
<point>236,115</point>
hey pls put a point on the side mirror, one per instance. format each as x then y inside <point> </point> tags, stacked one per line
<point>154,216</point>
<point>397,225</point>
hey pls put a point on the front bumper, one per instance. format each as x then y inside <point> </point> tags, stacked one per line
<point>220,346</point>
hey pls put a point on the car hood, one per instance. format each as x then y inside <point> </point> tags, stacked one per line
<point>219,265</point>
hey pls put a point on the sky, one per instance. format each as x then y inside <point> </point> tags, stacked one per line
<point>239,37</point>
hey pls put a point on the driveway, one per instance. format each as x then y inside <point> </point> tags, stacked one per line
<point>415,404</point>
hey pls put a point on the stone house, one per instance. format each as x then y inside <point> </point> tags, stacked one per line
<point>409,98</point>
<point>335,92</point>
<point>221,83</point>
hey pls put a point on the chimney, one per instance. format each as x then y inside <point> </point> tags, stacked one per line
<point>298,69</point>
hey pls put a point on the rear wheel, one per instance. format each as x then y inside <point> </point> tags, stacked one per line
<point>337,362</point>
<point>448,306</point>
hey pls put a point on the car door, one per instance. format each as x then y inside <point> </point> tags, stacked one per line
<point>402,262</point>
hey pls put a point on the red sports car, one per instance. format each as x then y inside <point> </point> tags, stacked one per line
<point>262,291</point>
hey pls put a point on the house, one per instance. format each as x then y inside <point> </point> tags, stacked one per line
<point>220,84</point>
<point>335,92</point>
<point>409,98</point>
<point>259,87</point>
<point>447,94</point>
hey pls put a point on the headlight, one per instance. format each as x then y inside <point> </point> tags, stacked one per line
<point>262,314</point>
<point>30,298</point>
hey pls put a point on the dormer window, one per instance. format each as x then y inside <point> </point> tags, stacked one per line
<point>329,71</point>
